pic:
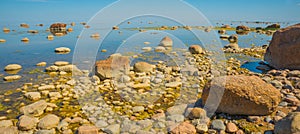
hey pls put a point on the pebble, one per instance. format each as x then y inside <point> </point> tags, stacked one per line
<point>201,128</point>
<point>62,50</point>
<point>2,40</point>
<point>231,127</point>
<point>218,125</point>
<point>112,129</point>
<point>138,109</point>
<point>6,123</point>
<point>33,96</point>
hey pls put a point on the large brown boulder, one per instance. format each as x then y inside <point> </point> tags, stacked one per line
<point>283,52</point>
<point>112,67</point>
<point>243,95</point>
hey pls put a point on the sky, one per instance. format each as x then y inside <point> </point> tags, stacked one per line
<point>83,10</point>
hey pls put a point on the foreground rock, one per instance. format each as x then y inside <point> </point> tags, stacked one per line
<point>113,66</point>
<point>243,95</point>
<point>12,67</point>
<point>289,124</point>
<point>283,52</point>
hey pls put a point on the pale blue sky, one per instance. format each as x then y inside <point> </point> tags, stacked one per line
<point>75,10</point>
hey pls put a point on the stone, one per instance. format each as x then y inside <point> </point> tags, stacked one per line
<point>46,87</point>
<point>289,124</point>
<point>87,130</point>
<point>143,67</point>
<point>52,131</point>
<point>48,122</point>
<point>6,123</point>
<point>283,51</point>
<point>183,128</point>
<point>61,63</point>
<point>58,27</point>
<point>243,95</point>
<point>62,50</point>
<point>242,28</point>
<point>41,64</point>
<point>95,35</point>
<point>34,109</point>
<point>146,49</point>
<point>173,84</point>
<point>33,31</point>
<point>195,49</point>
<point>233,38</point>
<point>178,109</point>
<point>52,69</point>
<point>24,25</point>
<point>112,129</point>
<point>218,125</point>
<point>234,46</point>
<point>55,95</point>
<point>176,118</point>
<point>231,127</point>
<point>138,109</point>
<point>12,78</point>
<point>166,42</point>
<point>197,113</point>
<point>141,86</point>
<point>26,123</point>
<point>25,39</point>
<point>273,26</point>
<point>33,96</point>
<point>50,37</point>
<point>113,66</point>
<point>70,69</point>
<point>12,67</point>
<point>101,124</point>
<point>201,128</point>
<point>6,30</point>
<point>160,49</point>
<point>9,130</point>
<point>2,40</point>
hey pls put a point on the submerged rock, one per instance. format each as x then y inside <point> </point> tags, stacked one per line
<point>48,122</point>
<point>34,109</point>
<point>166,42</point>
<point>27,123</point>
<point>283,51</point>
<point>243,95</point>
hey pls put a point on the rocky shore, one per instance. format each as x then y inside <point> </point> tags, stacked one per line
<point>150,98</point>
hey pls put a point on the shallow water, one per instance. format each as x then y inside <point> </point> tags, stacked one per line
<point>39,48</point>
